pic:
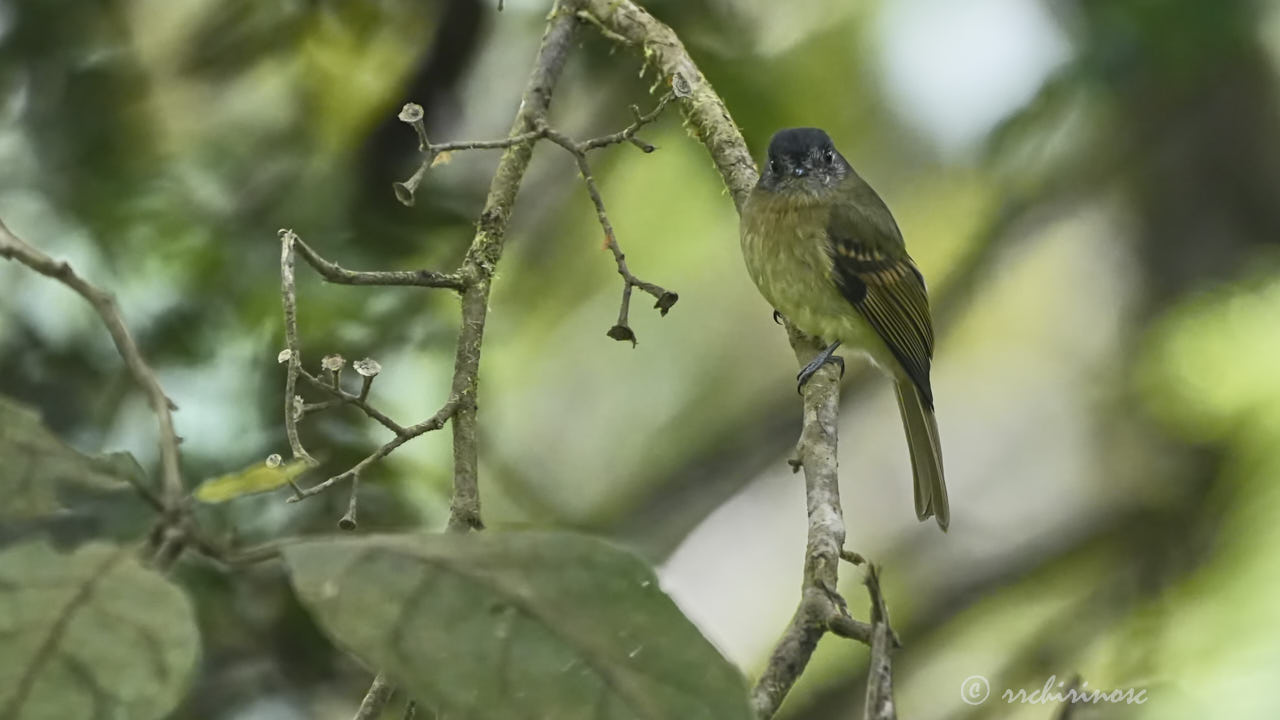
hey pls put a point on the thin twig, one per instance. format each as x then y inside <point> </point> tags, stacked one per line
<point>586,16</point>
<point>471,279</point>
<point>503,144</point>
<point>348,522</point>
<point>406,191</point>
<point>435,422</point>
<point>335,273</point>
<point>376,699</point>
<point>879,702</point>
<point>413,115</point>
<point>628,134</point>
<point>104,303</point>
<point>665,299</point>
<point>289,294</point>
<point>342,397</point>
<point>312,408</point>
<point>850,629</point>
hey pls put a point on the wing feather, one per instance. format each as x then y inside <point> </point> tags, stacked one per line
<point>871,267</point>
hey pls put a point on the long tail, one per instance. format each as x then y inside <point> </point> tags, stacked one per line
<point>926,455</point>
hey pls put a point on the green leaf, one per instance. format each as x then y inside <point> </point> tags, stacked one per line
<point>90,635</point>
<point>516,625</point>
<point>47,485</point>
<point>256,478</point>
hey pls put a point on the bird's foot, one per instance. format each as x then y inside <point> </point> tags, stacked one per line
<point>826,356</point>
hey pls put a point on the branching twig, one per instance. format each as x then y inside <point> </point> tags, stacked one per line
<point>435,422</point>
<point>176,528</point>
<point>295,409</point>
<point>665,298</point>
<point>477,273</point>
<point>413,115</point>
<point>472,279</point>
<point>342,397</point>
<point>628,134</point>
<point>104,303</point>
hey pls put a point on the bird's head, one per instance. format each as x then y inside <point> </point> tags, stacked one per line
<point>803,160</point>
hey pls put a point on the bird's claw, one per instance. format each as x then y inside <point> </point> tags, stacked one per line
<point>777,317</point>
<point>826,356</point>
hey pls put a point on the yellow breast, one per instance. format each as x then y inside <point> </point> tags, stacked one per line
<point>784,244</point>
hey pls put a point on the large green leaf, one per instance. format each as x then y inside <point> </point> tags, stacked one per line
<point>516,625</point>
<point>49,486</point>
<point>90,635</point>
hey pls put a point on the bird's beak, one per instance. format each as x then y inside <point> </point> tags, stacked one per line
<point>798,171</point>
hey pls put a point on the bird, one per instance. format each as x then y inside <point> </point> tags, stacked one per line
<point>826,253</point>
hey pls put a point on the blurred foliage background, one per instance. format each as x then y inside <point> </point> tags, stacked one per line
<point>1090,187</point>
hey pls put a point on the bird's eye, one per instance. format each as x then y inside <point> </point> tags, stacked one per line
<point>829,157</point>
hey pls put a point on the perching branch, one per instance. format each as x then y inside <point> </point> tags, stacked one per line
<point>821,609</point>
<point>820,605</point>
<point>104,303</point>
